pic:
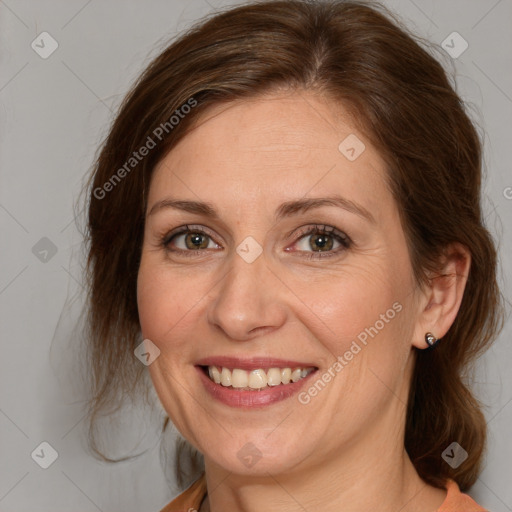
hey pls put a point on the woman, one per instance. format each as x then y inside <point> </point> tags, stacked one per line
<point>287,211</point>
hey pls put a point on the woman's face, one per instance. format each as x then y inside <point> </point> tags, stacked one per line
<point>232,276</point>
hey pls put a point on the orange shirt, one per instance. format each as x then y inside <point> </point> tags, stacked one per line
<point>190,500</point>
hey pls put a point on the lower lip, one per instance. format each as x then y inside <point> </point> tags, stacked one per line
<point>251,399</point>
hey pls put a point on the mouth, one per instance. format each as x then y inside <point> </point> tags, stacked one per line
<point>253,382</point>
<point>257,379</point>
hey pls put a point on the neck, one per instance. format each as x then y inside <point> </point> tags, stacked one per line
<point>369,471</point>
<point>387,482</point>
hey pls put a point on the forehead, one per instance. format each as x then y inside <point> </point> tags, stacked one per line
<point>273,148</point>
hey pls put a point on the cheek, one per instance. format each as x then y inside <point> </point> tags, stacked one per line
<point>149,300</point>
<point>349,301</point>
<point>172,306</point>
<point>159,309</point>
<point>166,300</point>
<point>163,319</point>
<point>362,316</point>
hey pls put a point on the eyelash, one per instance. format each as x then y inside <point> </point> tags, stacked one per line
<point>340,237</point>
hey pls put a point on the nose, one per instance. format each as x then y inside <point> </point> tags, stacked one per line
<point>248,302</point>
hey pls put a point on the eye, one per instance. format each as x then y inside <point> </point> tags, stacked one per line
<point>194,240</point>
<point>322,239</point>
<point>189,240</point>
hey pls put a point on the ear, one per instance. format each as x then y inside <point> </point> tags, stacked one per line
<point>440,300</point>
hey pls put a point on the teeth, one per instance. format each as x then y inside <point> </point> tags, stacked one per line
<point>239,378</point>
<point>286,375</point>
<point>214,374</point>
<point>296,374</point>
<point>256,379</point>
<point>225,377</point>
<point>274,377</point>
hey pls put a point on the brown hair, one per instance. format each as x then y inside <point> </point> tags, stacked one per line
<point>354,53</point>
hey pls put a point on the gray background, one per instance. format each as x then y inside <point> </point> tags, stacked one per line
<point>54,113</point>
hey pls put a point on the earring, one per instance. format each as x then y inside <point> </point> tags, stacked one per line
<point>431,339</point>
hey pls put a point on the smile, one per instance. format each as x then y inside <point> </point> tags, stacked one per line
<point>252,383</point>
<point>256,379</point>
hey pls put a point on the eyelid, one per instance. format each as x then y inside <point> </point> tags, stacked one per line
<point>301,232</point>
<point>318,227</point>
<point>192,228</point>
<point>342,238</point>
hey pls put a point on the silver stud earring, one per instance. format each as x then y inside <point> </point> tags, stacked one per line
<point>431,339</point>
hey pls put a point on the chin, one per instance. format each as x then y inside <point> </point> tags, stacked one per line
<point>258,457</point>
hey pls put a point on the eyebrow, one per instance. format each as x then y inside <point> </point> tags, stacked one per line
<point>287,209</point>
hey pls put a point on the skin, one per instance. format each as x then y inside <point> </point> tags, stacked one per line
<point>343,450</point>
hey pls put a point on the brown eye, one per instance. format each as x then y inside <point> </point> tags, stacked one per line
<point>322,239</point>
<point>321,242</point>
<point>196,241</point>
<point>188,241</point>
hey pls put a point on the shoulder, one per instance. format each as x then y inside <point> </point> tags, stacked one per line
<point>458,502</point>
<point>190,499</point>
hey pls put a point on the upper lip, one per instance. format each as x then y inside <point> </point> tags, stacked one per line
<point>252,363</point>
